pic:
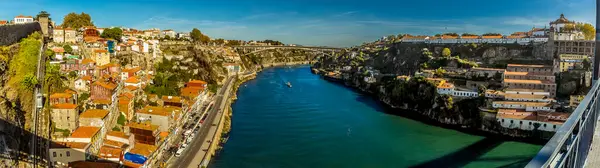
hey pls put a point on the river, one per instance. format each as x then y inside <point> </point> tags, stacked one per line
<point>317,123</point>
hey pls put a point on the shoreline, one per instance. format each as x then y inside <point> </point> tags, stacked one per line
<point>416,116</point>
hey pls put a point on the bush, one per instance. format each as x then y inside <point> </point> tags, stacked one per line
<point>121,120</point>
<point>116,129</point>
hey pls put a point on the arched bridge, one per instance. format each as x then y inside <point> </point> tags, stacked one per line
<point>255,49</point>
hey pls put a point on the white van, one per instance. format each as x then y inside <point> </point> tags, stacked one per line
<point>178,153</point>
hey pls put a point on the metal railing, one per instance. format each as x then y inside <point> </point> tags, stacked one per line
<point>570,145</point>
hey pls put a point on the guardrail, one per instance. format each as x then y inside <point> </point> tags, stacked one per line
<point>569,147</point>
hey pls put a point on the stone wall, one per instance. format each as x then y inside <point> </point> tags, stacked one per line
<point>10,34</point>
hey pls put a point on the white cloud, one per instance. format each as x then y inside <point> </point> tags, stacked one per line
<point>523,21</point>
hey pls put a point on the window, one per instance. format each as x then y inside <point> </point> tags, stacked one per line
<point>554,126</point>
<point>511,121</point>
<point>53,154</point>
<point>544,125</point>
<point>529,123</point>
<point>503,120</point>
<point>68,153</point>
<point>520,122</point>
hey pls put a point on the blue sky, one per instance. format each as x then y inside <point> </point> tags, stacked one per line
<point>314,22</point>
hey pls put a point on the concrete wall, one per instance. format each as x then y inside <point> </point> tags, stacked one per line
<point>10,34</point>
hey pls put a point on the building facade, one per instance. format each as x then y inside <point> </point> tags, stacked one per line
<point>65,116</point>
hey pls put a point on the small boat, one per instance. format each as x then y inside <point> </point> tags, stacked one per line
<point>288,84</point>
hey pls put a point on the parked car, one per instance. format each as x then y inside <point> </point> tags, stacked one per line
<point>178,153</point>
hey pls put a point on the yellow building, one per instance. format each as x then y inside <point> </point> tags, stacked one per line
<point>101,57</point>
<point>568,61</point>
<point>575,100</point>
<point>65,116</point>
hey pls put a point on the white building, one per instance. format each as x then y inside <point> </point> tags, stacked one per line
<point>22,19</point>
<point>83,83</point>
<point>546,121</point>
<point>133,81</point>
<point>470,94</point>
<point>527,106</point>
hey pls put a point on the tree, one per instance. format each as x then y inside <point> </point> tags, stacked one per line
<point>112,33</point>
<point>440,72</point>
<point>492,34</point>
<point>468,34</point>
<point>446,52</point>
<point>481,90</point>
<point>29,82</point>
<point>437,35</point>
<point>589,32</point>
<point>197,36</point>
<point>234,42</point>
<point>77,21</point>
<point>167,37</point>
<point>450,34</point>
<point>68,49</point>
<point>42,14</point>
<point>219,41</point>
<point>587,65</point>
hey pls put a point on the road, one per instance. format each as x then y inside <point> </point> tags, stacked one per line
<point>196,151</point>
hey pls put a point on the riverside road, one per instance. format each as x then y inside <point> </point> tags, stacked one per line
<point>197,151</point>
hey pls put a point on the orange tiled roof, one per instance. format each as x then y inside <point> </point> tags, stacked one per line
<point>87,78</point>
<point>100,51</point>
<point>144,126</point>
<point>61,95</point>
<point>469,37</point>
<point>75,145</point>
<point>64,106</point>
<point>58,50</point>
<point>491,37</point>
<point>163,134</point>
<point>87,61</point>
<point>171,99</point>
<point>446,85</point>
<point>191,91</point>
<point>524,81</point>
<point>85,132</point>
<point>132,79</point>
<point>143,149</point>
<point>116,144</point>
<point>3,22</point>
<point>128,95</point>
<point>197,82</point>
<point>21,16</point>
<point>110,152</point>
<point>108,85</point>
<point>102,101</point>
<point>154,110</point>
<point>132,70</point>
<point>131,88</point>
<point>117,134</point>
<point>94,113</point>
<point>449,37</point>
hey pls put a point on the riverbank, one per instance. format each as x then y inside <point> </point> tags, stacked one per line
<point>489,127</point>
<point>224,133</point>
